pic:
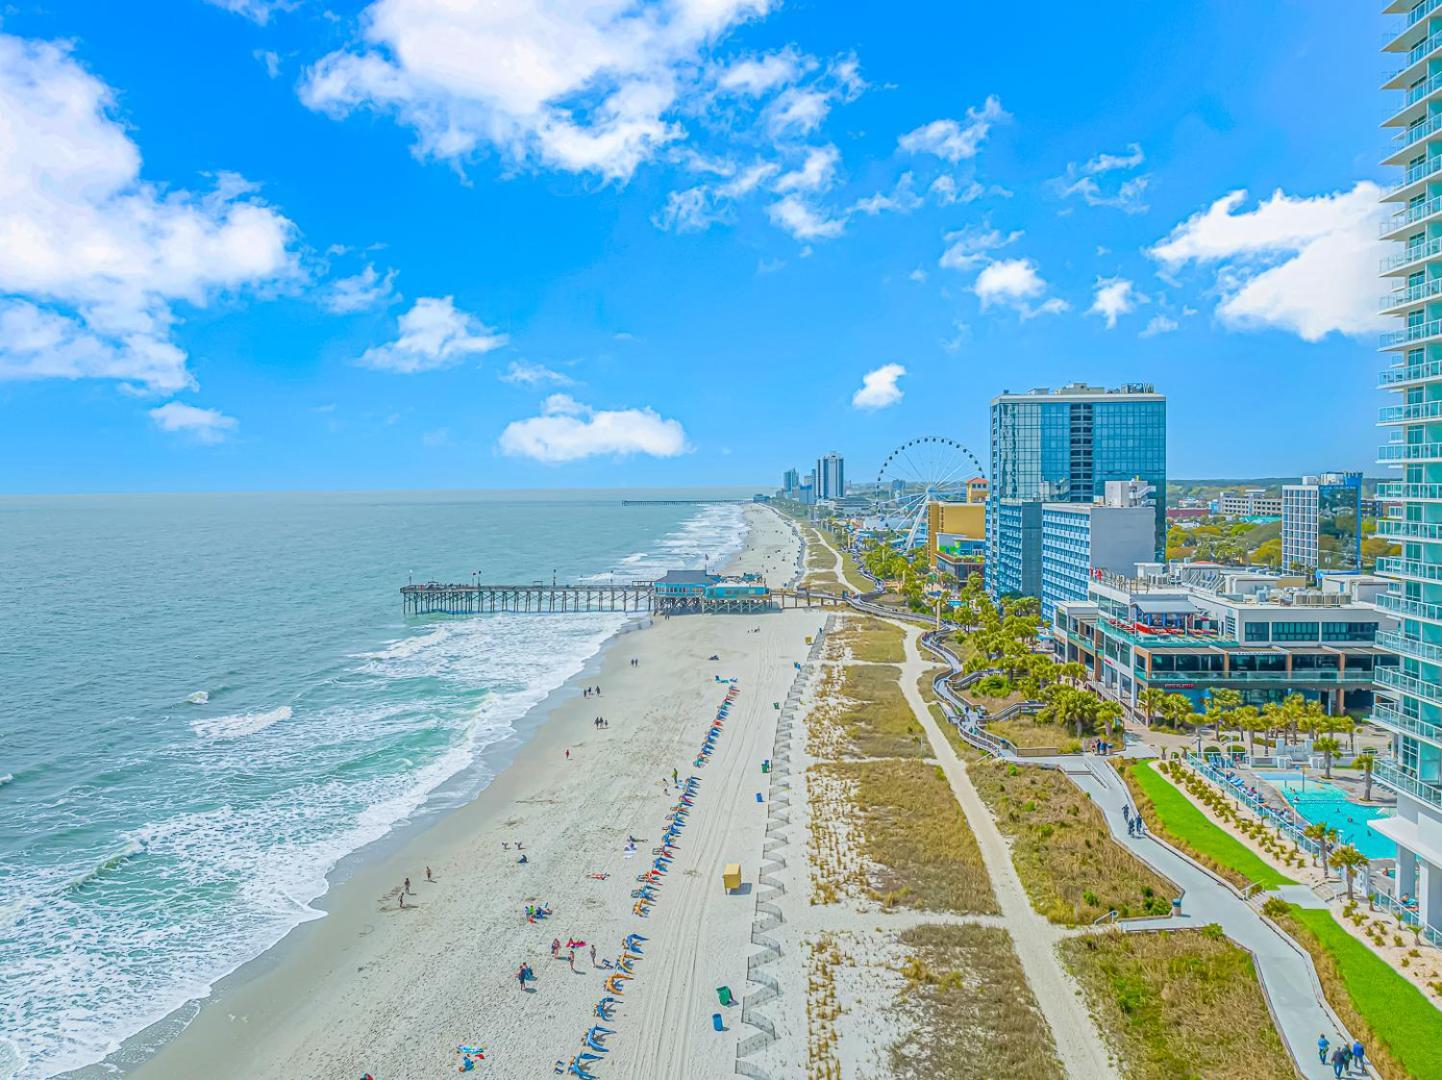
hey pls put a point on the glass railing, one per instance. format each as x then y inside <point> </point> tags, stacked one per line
<point>1405,646</point>
<point>1396,491</point>
<point>1415,133</point>
<point>1401,605</point>
<point>1409,568</point>
<point>1421,11</point>
<point>1297,675</point>
<point>1405,373</point>
<point>1420,91</point>
<point>1415,293</point>
<point>1420,171</point>
<point>1425,46</point>
<point>1426,689</point>
<point>1411,214</point>
<point>1418,410</point>
<point>1396,720</point>
<point>1390,773</point>
<point>1400,529</point>
<point>1431,328</point>
<point>1425,451</point>
<point>1412,253</point>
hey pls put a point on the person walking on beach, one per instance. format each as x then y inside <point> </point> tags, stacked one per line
<point>593,955</point>
<point>571,959</point>
<point>428,874</point>
<point>555,948</point>
<point>401,899</point>
<point>408,887</point>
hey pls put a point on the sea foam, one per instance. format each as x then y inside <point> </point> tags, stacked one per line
<point>234,727</point>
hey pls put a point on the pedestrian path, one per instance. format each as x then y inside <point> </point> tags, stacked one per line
<point>1286,972</point>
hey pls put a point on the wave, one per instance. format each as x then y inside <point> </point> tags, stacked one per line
<point>109,863</point>
<point>200,697</point>
<point>6,779</point>
<point>234,727</point>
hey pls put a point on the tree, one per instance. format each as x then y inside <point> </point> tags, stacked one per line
<point>1323,834</point>
<point>1151,701</point>
<point>1349,860</point>
<point>1220,704</point>
<point>1365,761</point>
<point>1328,746</point>
<point>1067,706</point>
<point>1177,710</point>
<point>1247,719</point>
<point>1073,672</point>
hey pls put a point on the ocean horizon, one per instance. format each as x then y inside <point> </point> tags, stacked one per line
<point>213,699</point>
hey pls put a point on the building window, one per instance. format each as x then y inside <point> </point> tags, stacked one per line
<point>1349,631</point>
<point>1258,631</point>
<point>1295,631</point>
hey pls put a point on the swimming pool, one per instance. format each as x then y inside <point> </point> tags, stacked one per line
<point>1319,801</point>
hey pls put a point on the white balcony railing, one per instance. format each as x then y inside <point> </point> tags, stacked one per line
<point>1406,646</point>
<point>1389,772</point>
<point>1397,491</point>
<point>1421,332</point>
<point>1393,566</point>
<point>1404,414</point>
<point>1426,689</point>
<point>1412,253</point>
<point>1398,451</point>
<point>1399,529</point>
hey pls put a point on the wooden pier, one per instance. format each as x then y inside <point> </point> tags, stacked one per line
<point>434,598</point>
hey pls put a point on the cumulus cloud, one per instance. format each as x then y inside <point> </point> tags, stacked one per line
<point>803,220</point>
<point>93,258</point>
<point>815,173</point>
<point>525,373</point>
<point>756,75</point>
<point>568,431</point>
<point>202,425</point>
<point>1302,264</point>
<point>1081,180</point>
<point>948,192</point>
<point>878,388</point>
<point>973,245</point>
<point>580,85</point>
<point>1016,284</point>
<point>901,199</point>
<point>359,292</point>
<point>1114,297</point>
<point>954,140</point>
<point>268,60</point>
<point>433,334</point>
<point>1159,324</point>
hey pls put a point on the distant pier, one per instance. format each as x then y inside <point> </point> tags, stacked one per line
<point>434,598</point>
<point>679,502</point>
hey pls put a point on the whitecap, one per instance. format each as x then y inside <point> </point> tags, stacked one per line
<point>233,727</point>
<point>200,697</point>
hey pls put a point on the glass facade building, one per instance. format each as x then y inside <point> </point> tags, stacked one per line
<point>1063,446</point>
<point>1322,524</point>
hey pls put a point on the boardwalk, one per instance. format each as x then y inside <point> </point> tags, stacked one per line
<point>435,598</point>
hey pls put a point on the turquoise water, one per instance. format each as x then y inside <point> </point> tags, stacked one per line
<point>1321,802</point>
<point>207,701</point>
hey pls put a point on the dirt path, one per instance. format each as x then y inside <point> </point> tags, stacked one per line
<point>1079,1044</point>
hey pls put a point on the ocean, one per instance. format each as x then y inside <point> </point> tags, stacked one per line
<point>208,701</point>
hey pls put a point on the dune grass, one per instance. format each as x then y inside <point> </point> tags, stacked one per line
<point>1180,1004</point>
<point>1029,733</point>
<point>1400,1028</point>
<point>974,1014</point>
<point>874,716</point>
<point>912,830</point>
<point>1072,869</point>
<point>1171,815</point>
<point>873,640</point>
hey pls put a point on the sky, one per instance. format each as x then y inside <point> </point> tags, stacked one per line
<point>285,244</point>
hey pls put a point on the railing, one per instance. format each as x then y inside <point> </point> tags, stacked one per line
<point>1400,451</point>
<point>1403,605</point>
<point>1424,47</point>
<point>1401,529</point>
<point>1406,646</point>
<point>1397,491</point>
<point>1405,373</point>
<point>1420,332</point>
<point>1390,773</point>
<point>1406,138</point>
<point>1409,568</point>
<point>1415,293</point>
<point>1425,689</point>
<point>1418,410</point>
<point>1412,252</point>
<point>1421,171</point>
<point>1389,717</point>
<point>1406,915</point>
<point>1296,675</point>
<point>1284,822</point>
<point>1420,91</point>
<point>1401,220</point>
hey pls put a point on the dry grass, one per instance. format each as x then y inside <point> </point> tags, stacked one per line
<point>976,1018</point>
<point>874,641</point>
<point>822,1009</point>
<point>825,582</point>
<point>920,850</point>
<point>861,713</point>
<point>1029,733</point>
<point>1073,870</point>
<point>834,849</point>
<point>1181,1004</point>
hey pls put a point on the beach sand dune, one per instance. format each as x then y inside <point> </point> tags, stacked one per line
<point>374,988</point>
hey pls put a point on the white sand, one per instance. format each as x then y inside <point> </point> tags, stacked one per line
<point>372,988</point>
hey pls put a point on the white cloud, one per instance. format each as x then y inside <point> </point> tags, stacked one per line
<point>918,275</point>
<point>1016,283</point>
<point>580,85</point>
<point>257,11</point>
<point>268,60</point>
<point>567,431</point>
<point>902,198</point>
<point>878,388</point>
<point>433,334</point>
<point>359,292</point>
<point>1159,324</point>
<point>692,210</point>
<point>756,75</point>
<point>947,192</point>
<point>972,246</point>
<point>1082,180</point>
<point>1306,265</point>
<point>804,221</point>
<point>815,174</point>
<point>525,373</point>
<point>748,180</point>
<point>203,425</point>
<point>92,257</point>
<point>798,111</point>
<point>953,140</point>
<point>1114,297</point>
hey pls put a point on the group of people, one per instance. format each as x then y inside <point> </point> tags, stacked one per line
<point>405,889</point>
<point>536,912</point>
<point>590,691</point>
<point>1343,1058</point>
<point>600,722</point>
<point>1135,826</point>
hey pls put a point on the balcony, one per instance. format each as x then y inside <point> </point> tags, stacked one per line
<point>1408,414</point>
<point>1399,529</point>
<point>1411,59</point>
<point>1411,98</point>
<point>1415,295</point>
<point>1424,689</point>
<point>1396,491</point>
<point>1392,566</point>
<point>1398,604</point>
<point>1297,677</point>
<point>1404,140</point>
<point>1423,170</point>
<point>1395,720</point>
<point>1409,373</point>
<point>1412,335</point>
<point>1414,253</point>
<point>1394,452</point>
<point>1405,646</point>
<point>1389,772</point>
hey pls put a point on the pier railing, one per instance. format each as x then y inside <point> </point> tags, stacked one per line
<point>435,598</point>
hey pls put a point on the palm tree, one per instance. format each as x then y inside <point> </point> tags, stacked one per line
<point>1249,720</point>
<point>1274,719</point>
<point>1073,672</point>
<point>1177,709</point>
<point>1328,746</point>
<point>1219,704</point>
<point>1151,701</point>
<point>1365,761</point>
<point>1323,834</point>
<point>1347,726</point>
<point>1349,860</point>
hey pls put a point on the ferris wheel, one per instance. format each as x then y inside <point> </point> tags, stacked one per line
<point>922,471</point>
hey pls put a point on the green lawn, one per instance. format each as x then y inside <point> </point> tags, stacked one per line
<point>1189,828</point>
<point>1395,1010</point>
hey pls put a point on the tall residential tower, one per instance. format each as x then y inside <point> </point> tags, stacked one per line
<point>830,476</point>
<point>1412,706</point>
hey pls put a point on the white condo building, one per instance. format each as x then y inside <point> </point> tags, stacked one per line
<point>1409,701</point>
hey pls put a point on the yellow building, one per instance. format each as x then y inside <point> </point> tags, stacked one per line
<point>954,525</point>
<point>976,489</point>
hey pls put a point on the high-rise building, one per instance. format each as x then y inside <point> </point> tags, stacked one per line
<point>1322,523</point>
<point>1062,446</point>
<point>1080,539</point>
<point>830,476</point>
<point>790,483</point>
<point>1410,694</point>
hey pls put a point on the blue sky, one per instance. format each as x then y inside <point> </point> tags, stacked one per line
<point>255,245</point>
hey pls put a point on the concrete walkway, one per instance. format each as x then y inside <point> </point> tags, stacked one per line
<point>1079,1044</point>
<point>1286,972</point>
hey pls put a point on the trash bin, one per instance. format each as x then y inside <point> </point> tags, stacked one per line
<point>731,877</point>
<point>723,995</point>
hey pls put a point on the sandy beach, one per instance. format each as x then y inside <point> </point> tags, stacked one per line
<point>376,988</point>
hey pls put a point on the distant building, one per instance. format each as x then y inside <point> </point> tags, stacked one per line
<point>976,489</point>
<point>790,483</point>
<point>830,476</point>
<point>1062,446</point>
<point>1187,513</point>
<point>1322,523</point>
<point>1079,541</point>
<point>1251,502</point>
<point>956,538</point>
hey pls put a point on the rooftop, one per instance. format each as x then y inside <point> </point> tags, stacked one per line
<point>687,577</point>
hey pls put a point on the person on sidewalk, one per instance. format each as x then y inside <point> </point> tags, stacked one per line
<point>1359,1056</point>
<point>1338,1062</point>
<point>1322,1045</point>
